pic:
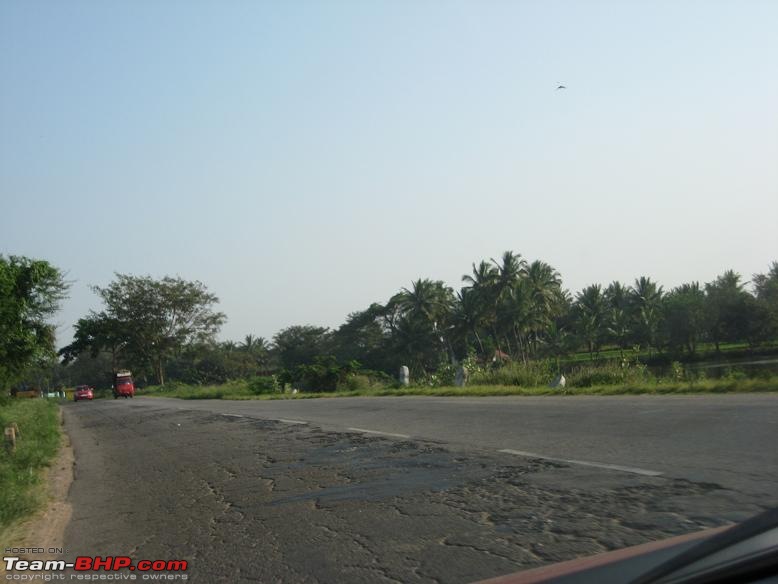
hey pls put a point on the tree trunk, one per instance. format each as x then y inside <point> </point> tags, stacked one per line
<point>159,372</point>
<point>478,339</point>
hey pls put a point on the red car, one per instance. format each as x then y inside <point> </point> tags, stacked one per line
<point>83,392</point>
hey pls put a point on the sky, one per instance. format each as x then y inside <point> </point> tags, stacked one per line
<point>305,159</point>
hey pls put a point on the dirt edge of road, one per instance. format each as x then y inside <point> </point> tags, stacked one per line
<point>46,529</point>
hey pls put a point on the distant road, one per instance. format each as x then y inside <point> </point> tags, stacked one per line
<point>725,439</point>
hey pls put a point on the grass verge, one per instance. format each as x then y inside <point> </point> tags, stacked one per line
<point>239,391</point>
<point>20,485</point>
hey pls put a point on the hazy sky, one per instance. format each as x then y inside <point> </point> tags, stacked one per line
<point>304,159</point>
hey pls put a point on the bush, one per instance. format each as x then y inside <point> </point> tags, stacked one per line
<point>264,384</point>
<point>531,374</point>
<point>324,374</point>
<point>355,382</point>
<point>608,373</point>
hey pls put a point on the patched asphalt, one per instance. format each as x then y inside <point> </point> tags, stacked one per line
<point>245,499</point>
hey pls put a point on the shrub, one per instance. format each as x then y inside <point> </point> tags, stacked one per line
<point>531,374</point>
<point>264,384</point>
<point>607,374</point>
<point>355,382</point>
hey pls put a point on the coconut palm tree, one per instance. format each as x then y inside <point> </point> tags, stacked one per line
<point>427,305</point>
<point>723,297</point>
<point>510,268</point>
<point>516,317</point>
<point>619,316</point>
<point>426,300</point>
<point>646,301</point>
<point>545,289</point>
<point>483,285</point>
<point>591,316</point>
<point>467,316</point>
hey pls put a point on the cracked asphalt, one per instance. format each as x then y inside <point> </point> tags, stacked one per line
<point>245,499</point>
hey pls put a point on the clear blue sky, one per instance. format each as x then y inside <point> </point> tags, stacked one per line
<point>304,159</point>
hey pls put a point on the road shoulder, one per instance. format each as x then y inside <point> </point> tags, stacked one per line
<point>46,528</point>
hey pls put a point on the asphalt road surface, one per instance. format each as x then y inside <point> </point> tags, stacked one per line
<point>409,489</point>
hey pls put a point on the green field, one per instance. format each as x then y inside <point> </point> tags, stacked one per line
<point>705,351</point>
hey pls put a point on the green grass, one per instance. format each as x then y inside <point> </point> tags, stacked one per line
<point>704,351</point>
<point>231,390</point>
<point>38,421</point>
<point>235,391</point>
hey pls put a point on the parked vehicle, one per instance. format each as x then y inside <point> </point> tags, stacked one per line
<point>123,385</point>
<point>83,392</point>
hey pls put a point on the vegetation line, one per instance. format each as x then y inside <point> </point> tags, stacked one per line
<point>241,391</point>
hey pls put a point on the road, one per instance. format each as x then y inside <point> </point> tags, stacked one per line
<point>409,489</point>
<point>724,439</point>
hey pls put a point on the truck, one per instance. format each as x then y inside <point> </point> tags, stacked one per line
<point>123,385</point>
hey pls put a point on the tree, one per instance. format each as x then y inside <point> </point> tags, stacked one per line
<point>96,333</point>
<point>620,320</point>
<point>467,317</point>
<point>766,285</point>
<point>591,316</point>
<point>300,344</point>
<point>725,297</point>
<point>646,305</point>
<point>30,293</point>
<point>424,318</point>
<point>684,317</point>
<point>766,290</point>
<point>364,337</point>
<point>156,319</point>
<point>548,302</point>
<point>481,286</point>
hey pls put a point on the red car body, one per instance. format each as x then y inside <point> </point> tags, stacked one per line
<point>83,392</point>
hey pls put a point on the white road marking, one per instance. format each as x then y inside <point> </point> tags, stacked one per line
<point>233,415</point>
<point>632,469</point>
<point>291,421</point>
<point>378,432</point>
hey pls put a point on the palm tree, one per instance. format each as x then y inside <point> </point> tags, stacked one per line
<point>558,342</point>
<point>229,346</point>
<point>483,285</point>
<point>510,268</point>
<point>252,344</point>
<point>515,315</point>
<point>427,300</point>
<point>591,316</point>
<point>427,306</point>
<point>467,316</point>
<point>723,296</point>
<point>619,318</point>
<point>646,300</point>
<point>483,276</point>
<point>766,285</point>
<point>545,288</point>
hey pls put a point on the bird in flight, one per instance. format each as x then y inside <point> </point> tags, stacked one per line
<point>561,86</point>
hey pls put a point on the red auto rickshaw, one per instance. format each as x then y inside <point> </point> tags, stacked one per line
<point>123,385</point>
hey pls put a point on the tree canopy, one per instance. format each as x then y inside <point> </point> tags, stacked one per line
<point>30,293</point>
<point>507,308</point>
<point>148,321</point>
